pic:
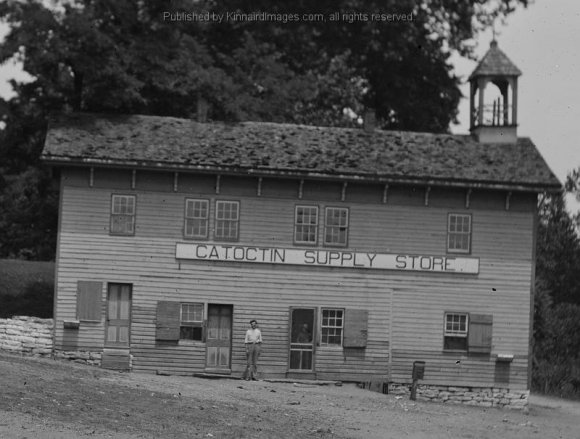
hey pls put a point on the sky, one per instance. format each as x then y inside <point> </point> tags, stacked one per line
<point>542,40</point>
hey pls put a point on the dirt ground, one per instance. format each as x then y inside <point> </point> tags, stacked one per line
<point>42,398</point>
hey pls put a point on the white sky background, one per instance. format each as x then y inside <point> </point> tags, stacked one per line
<point>543,41</point>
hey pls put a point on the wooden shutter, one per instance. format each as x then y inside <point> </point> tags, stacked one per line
<point>167,326</point>
<point>479,337</point>
<point>355,328</point>
<point>89,300</point>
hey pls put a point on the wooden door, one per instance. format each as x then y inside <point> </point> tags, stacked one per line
<point>302,336</point>
<point>118,316</point>
<point>219,338</point>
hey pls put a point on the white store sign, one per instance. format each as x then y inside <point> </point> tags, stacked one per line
<point>327,258</point>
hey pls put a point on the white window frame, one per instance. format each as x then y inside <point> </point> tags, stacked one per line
<point>456,323</point>
<point>300,227</point>
<point>231,224</point>
<point>123,207</point>
<point>191,220</point>
<point>335,229</point>
<point>453,232</point>
<point>329,330</point>
<point>190,323</point>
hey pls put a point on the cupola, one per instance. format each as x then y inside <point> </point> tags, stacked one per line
<point>493,98</point>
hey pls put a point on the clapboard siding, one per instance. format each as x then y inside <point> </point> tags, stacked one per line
<point>405,309</point>
<point>386,228</point>
<point>460,370</point>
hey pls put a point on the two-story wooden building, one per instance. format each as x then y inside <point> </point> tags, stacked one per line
<point>359,251</point>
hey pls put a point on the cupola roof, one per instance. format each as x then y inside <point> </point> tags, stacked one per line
<point>495,63</point>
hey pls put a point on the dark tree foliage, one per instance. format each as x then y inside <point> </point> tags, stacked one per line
<point>36,301</point>
<point>125,56</point>
<point>556,360</point>
<point>558,251</point>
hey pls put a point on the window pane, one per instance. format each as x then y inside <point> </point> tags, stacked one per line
<point>332,320</point>
<point>123,215</point>
<point>306,224</point>
<point>227,220</point>
<point>459,233</point>
<point>191,312</point>
<point>336,223</point>
<point>196,218</point>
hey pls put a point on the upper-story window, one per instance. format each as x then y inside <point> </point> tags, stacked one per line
<point>306,224</point>
<point>459,233</point>
<point>196,218</point>
<point>227,220</point>
<point>123,215</point>
<point>336,226</point>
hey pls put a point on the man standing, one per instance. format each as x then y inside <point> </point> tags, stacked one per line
<point>253,345</point>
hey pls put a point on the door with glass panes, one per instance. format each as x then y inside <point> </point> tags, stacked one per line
<point>219,338</point>
<point>302,337</point>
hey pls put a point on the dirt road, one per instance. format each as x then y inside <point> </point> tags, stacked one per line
<point>53,399</point>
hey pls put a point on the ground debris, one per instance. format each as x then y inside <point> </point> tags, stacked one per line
<point>107,405</point>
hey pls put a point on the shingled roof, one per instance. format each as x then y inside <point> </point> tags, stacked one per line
<point>258,148</point>
<point>495,63</point>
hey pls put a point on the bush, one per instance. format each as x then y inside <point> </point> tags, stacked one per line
<point>36,301</point>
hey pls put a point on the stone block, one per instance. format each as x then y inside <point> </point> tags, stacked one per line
<point>42,351</point>
<point>25,339</point>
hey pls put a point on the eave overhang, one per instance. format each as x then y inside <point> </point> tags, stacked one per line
<point>298,174</point>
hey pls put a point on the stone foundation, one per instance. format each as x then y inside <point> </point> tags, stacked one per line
<point>476,396</point>
<point>26,336</point>
<point>32,336</point>
<point>82,357</point>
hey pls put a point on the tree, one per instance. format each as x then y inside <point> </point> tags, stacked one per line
<point>558,251</point>
<point>556,366</point>
<point>572,186</point>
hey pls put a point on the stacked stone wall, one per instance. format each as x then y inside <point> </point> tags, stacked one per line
<point>32,336</point>
<point>26,336</point>
<point>476,396</point>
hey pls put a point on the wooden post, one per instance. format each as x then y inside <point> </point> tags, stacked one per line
<point>414,390</point>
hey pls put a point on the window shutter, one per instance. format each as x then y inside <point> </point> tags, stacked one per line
<point>167,327</point>
<point>479,338</point>
<point>89,299</point>
<point>355,328</point>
